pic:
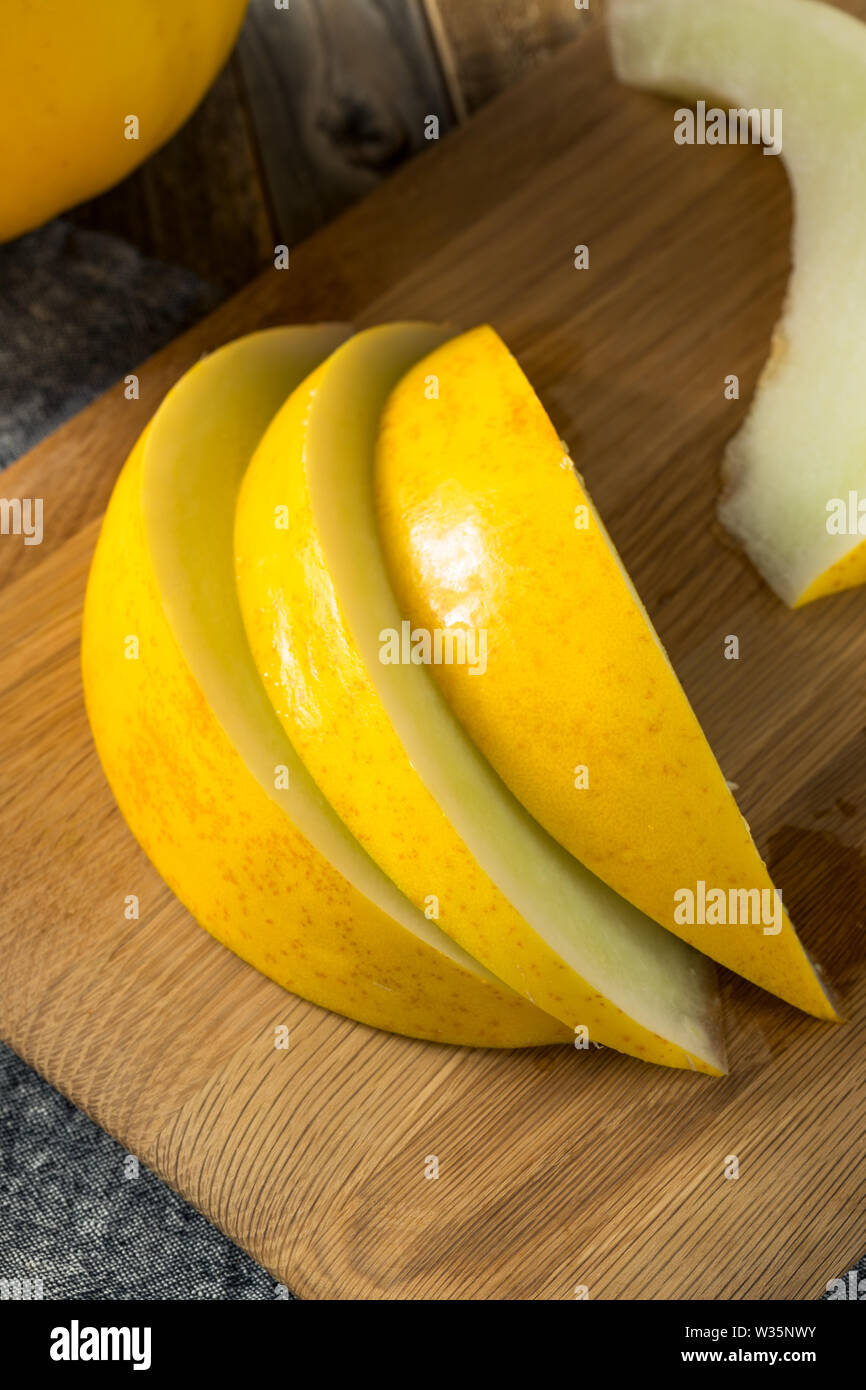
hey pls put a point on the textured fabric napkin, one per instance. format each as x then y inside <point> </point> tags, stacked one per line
<point>77,311</point>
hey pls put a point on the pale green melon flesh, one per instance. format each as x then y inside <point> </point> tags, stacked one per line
<point>804,441</point>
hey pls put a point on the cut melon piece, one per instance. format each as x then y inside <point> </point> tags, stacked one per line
<point>198,762</point>
<point>487,528</point>
<point>802,449</point>
<point>394,762</point>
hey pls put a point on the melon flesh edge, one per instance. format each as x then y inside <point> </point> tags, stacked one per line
<point>803,443</point>
<point>663,985</point>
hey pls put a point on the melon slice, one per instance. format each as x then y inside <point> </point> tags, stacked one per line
<point>801,452</point>
<point>198,762</point>
<point>394,762</point>
<point>579,711</point>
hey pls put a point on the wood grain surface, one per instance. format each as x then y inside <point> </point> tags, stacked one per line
<point>485,46</point>
<point>316,106</point>
<point>558,1168</point>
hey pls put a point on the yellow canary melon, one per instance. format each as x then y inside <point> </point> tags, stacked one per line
<point>391,758</point>
<point>488,529</point>
<point>88,90</point>
<point>199,764</point>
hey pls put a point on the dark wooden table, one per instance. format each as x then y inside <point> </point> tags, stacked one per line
<point>317,104</point>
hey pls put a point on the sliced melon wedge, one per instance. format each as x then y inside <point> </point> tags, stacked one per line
<point>198,762</point>
<point>580,711</point>
<point>802,449</point>
<point>391,758</point>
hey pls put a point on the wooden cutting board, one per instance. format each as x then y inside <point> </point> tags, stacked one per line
<point>557,1168</point>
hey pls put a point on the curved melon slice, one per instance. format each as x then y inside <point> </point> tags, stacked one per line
<point>580,711</point>
<point>802,450</point>
<point>191,745</point>
<point>389,755</point>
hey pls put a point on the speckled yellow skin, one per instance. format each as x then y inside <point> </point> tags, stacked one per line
<point>222,843</point>
<point>476,508</point>
<point>70,74</point>
<point>329,704</point>
<point>847,573</point>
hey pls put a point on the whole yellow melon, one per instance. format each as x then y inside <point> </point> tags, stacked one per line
<point>90,88</point>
